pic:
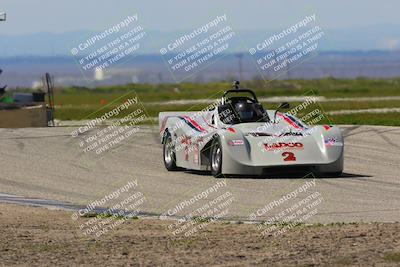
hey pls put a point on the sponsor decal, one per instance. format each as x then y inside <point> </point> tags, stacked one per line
<point>236,142</point>
<point>332,141</point>
<point>288,156</point>
<point>283,146</point>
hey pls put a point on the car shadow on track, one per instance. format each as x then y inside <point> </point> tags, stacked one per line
<point>281,175</point>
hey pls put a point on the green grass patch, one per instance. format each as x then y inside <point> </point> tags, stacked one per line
<point>327,87</point>
<point>77,103</point>
<point>200,219</point>
<point>390,119</point>
<point>331,106</point>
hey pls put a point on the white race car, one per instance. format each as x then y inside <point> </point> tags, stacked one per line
<point>236,136</point>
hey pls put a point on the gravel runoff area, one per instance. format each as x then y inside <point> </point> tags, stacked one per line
<point>40,237</point>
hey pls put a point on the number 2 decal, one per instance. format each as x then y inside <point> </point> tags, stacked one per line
<point>288,156</point>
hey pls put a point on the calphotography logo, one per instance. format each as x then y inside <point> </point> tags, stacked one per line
<point>193,215</point>
<point>282,51</point>
<point>112,128</point>
<point>110,211</point>
<point>110,47</point>
<point>290,210</point>
<point>197,49</point>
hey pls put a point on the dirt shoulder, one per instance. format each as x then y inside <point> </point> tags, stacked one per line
<point>44,237</point>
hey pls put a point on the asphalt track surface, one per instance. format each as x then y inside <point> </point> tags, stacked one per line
<point>48,163</point>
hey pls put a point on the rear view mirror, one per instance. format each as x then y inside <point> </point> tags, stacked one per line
<point>283,105</point>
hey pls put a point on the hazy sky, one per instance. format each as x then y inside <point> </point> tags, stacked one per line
<point>32,16</point>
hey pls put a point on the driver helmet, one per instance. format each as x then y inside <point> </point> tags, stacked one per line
<point>245,110</point>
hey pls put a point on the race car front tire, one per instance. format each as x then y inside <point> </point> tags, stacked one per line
<point>169,153</point>
<point>216,158</point>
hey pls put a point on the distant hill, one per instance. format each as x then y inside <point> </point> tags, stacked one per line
<point>26,71</point>
<point>379,37</point>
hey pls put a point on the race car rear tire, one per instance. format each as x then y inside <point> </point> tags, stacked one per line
<point>169,153</point>
<point>216,158</point>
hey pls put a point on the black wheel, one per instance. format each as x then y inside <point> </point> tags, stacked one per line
<point>169,153</point>
<point>216,158</point>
